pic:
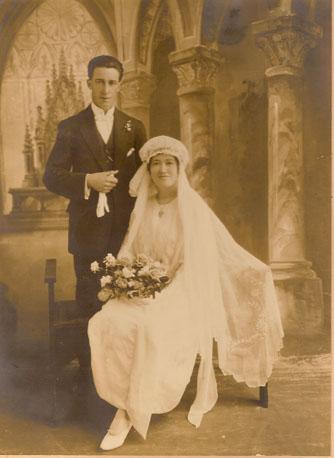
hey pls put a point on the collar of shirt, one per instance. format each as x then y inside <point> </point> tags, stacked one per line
<point>99,114</point>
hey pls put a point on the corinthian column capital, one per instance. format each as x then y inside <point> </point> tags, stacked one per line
<point>195,68</point>
<point>285,41</point>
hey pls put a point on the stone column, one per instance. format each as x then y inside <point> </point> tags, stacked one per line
<point>137,87</point>
<point>285,41</point>
<point>195,69</point>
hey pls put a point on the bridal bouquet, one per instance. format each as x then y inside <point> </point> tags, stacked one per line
<point>140,278</point>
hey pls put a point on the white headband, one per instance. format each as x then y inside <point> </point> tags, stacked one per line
<point>164,144</point>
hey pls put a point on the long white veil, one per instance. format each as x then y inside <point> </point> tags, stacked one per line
<point>231,295</point>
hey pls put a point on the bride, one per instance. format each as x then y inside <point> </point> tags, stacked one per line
<point>143,351</point>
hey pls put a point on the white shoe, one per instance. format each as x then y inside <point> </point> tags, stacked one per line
<point>111,441</point>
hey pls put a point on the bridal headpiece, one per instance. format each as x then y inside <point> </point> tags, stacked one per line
<point>154,146</point>
<point>164,144</point>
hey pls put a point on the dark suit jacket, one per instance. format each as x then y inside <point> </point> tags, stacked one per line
<point>78,150</point>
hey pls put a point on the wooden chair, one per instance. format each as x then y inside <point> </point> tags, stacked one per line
<point>264,400</point>
<point>66,331</point>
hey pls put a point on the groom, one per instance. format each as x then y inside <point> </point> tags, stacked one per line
<point>94,157</point>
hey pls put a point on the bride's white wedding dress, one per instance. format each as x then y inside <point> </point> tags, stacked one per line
<point>143,352</point>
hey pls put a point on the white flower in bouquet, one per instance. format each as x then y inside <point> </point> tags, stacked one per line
<point>109,260</point>
<point>139,278</point>
<point>156,273</point>
<point>142,260</point>
<point>94,267</point>
<point>144,271</point>
<point>105,280</point>
<point>104,294</point>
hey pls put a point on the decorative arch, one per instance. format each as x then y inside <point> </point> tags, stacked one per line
<point>148,17</point>
<point>226,22</point>
<point>211,19</point>
<point>17,14</point>
<point>194,22</point>
<point>147,20</point>
<point>21,35</point>
<point>187,16</point>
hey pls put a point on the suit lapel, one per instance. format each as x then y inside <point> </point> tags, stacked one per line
<point>122,139</point>
<point>92,138</point>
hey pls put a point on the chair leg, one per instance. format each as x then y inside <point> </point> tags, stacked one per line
<point>264,396</point>
<point>53,398</point>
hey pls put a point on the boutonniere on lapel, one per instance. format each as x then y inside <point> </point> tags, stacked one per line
<point>128,125</point>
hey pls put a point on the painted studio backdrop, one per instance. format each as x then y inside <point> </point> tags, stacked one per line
<point>244,83</point>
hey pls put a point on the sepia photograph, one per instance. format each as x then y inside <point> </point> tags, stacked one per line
<point>165,227</point>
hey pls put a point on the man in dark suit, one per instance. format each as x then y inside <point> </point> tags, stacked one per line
<point>94,157</point>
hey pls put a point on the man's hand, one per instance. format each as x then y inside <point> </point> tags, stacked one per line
<point>102,181</point>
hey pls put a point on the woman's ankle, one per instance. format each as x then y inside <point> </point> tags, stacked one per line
<point>119,422</point>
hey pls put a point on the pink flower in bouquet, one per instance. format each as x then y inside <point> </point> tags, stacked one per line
<point>127,273</point>
<point>105,280</point>
<point>124,261</point>
<point>142,260</point>
<point>104,294</point>
<point>135,284</point>
<point>141,278</point>
<point>121,283</point>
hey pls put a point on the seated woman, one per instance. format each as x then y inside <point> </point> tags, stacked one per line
<point>143,351</point>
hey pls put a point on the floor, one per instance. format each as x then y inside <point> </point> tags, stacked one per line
<point>297,421</point>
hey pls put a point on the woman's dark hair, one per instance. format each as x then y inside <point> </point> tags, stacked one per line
<point>106,62</point>
<point>149,162</point>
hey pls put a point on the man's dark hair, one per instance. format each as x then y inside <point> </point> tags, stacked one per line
<point>106,62</point>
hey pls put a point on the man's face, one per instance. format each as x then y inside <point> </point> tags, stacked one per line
<point>104,85</point>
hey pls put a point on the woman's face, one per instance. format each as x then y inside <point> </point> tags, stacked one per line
<point>164,171</point>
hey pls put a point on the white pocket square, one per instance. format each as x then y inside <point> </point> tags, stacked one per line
<point>130,152</point>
